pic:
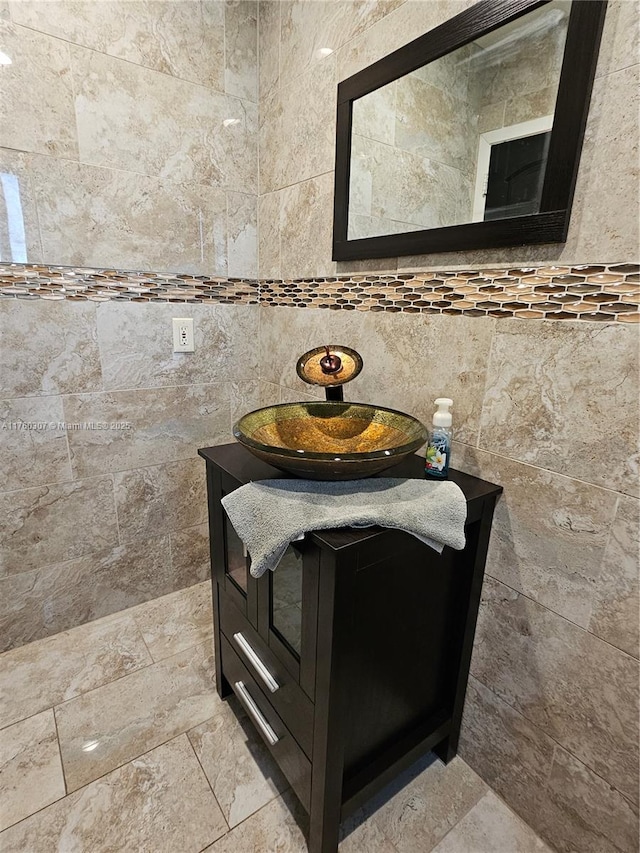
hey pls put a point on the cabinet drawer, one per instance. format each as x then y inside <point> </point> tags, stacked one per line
<point>291,759</point>
<point>289,700</point>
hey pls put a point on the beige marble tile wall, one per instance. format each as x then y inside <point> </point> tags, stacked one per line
<point>297,84</point>
<point>128,139</point>
<point>102,501</point>
<point>128,134</point>
<point>548,410</point>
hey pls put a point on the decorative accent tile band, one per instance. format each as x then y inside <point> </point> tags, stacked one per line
<point>595,292</point>
<point>31,281</point>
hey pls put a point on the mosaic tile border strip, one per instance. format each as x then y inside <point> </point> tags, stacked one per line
<point>79,284</point>
<point>605,292</point>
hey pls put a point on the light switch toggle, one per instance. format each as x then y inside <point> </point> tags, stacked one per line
<point>183,334</point>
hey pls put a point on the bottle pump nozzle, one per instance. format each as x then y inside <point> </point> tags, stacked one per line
<point>442,418</point>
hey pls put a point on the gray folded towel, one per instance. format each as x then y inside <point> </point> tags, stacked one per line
<point>270,514</point>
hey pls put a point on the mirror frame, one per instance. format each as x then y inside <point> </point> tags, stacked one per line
<point>551,224</point>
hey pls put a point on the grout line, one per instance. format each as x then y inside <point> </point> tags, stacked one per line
<point>115,509</point>
<point>197,757</point>
<point>64,775</point>
<point>278,796</point>
<point>462,817</point>
<point>155,388</point>
<point>557,744</point>
<point>561,616</point>
<point>517,816</point>
<point>299,183</point>
<point>147,68</point>
<point>102,776</point>
<point>546,470</point>
<point>134,672</point>
<point>131,758</point>
<point>138,669</point>
<point>146,645</point>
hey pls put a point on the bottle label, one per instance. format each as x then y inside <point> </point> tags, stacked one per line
<point>437,459</point>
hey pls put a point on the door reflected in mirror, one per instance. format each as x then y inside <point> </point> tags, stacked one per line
<point>462,139</point>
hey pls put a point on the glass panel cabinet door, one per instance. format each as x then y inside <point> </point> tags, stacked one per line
<point>287,611</point>
<point>286,600</point>
<point>234,570</point>
<point>237,564</point>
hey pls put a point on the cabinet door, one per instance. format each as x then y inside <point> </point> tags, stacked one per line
<point>287,611</point>
<point>230,561</point>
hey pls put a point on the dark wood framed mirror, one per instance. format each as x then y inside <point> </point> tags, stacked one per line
<point>468,137</point>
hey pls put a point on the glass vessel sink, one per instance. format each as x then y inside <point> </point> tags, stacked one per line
<point>330,440</point>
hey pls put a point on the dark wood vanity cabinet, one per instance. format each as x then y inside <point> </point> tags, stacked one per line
<point>352,657</point>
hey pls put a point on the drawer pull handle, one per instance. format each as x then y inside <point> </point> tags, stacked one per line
<point>251,655</point>
<point>255,713</point>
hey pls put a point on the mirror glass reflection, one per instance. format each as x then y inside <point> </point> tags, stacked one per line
<point>286,599</point>
<point>462,139</point>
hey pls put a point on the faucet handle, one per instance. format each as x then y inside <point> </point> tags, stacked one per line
<point>330,363</point>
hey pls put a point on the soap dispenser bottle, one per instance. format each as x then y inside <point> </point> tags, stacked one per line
<point>439,444</point>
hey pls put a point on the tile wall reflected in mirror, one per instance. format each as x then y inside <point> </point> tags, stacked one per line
<point>462,139</point>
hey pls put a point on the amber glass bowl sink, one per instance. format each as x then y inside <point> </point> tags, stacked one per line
<point>330,441</point>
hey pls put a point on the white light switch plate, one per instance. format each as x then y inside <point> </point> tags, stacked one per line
<point>183,334</point>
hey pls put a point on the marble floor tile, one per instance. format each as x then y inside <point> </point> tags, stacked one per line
<point>176,621</point>
<point>113,724</point>
<point>358,834</point>
<point>366,838</point>
<point>274,828</point>
<point>430,800</point>
<point>30,768</point>
<point>157,803</point>
<point>242,774</point>
<point>42,674</point>
<point>489,827</point>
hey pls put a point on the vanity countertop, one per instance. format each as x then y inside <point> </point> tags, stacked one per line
<point>240,464</point>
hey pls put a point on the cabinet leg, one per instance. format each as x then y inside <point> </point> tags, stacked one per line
<point>324,832</point>
<point>447,749</point>
<point>222,685</point>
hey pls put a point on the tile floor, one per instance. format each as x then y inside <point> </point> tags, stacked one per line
<point>112,738</point>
